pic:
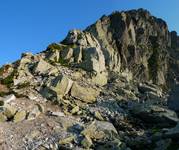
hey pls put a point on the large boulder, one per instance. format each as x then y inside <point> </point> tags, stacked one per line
<point>59,87</point>
<point>43,67</point>
<point>3,118</point>
<point>85,94</point>
<point>100,78</point>
<point>173,132</point>
<point>20,116</point>
<point>99,130</point>
<point>62,85</point>
<point>9,98</point>
<point>93,60</point>
<point>23,70</point>
<point>9,111</point>
<point>35,112</point>
<point>150,88</point>
<point>156,115</point>
<point>173,99</point>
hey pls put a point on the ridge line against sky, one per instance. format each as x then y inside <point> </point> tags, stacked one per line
<point>33,24</point>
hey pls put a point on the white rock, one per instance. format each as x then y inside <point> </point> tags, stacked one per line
<point>59,114</point>
<point>9,98</point>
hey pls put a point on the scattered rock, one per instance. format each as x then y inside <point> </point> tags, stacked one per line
<point>9,98</point>
<point>100,79</point>
<point>75,110</point>
<point>67,140</point>
<point>150,88</point>
<point>9,111</point>
<point>20,116</point>
<point>58,114</point>
<point>155,114</point>
<point>173,132</point>
<point>98,116</point>
<point>43,67</point>
<point>3,118</point>
<point>34,113</point>
<point>85,94</point>
<point>98,130</point>
<point>86,142</point>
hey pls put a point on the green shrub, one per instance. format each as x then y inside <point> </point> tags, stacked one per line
<point>1,71</point>
<point>23,85</point>
<point>55,46</point>
<point>2,94</point>
<point>63,62</point>
<point>155,130</point>
<point>9,79</point>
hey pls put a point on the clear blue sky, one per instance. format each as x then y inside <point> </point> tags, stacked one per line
<point>30,25</point>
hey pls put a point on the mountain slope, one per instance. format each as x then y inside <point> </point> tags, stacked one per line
<point>102,88</point>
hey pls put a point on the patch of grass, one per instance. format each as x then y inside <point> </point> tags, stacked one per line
<point>155,130</point>
<point>53,63</point>
<point>63,62</point>
<point>23,85</point>
<point>1,71</point>
<point>4,69</point>
<point>60,47</point>
<point>9,79</point>
<point>80,36</point>
<point>55,46</point>
<point>2,94</point>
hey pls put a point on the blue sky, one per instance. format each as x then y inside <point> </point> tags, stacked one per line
<point>31,25</point>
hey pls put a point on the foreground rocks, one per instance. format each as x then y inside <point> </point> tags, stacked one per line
<point>156,115</point>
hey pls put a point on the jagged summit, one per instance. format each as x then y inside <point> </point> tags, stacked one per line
<point>132,41</point>
<point>107,87</point>
<point>137,13</point>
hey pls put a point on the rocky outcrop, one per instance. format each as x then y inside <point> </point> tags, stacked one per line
<point>155,114</point>
<point>133,41</point>
<point>82,50</point>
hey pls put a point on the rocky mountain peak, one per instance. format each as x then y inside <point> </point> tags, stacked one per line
<point>113,85</point>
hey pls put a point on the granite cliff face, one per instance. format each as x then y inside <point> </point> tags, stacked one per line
<point>112,86</point>
<point>135,42</point>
